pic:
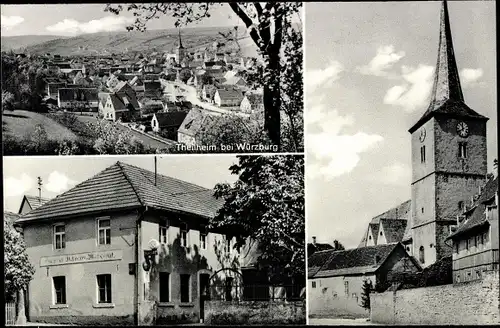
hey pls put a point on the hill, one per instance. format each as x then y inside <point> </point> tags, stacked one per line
<point>119,42</point>
<point>21,41</point>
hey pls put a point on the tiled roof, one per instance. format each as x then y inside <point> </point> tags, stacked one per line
<point>394,229</point>
<point>170,119</point>
<point>355,261</point>
<point>124,186</point>
<point>402,211</point>
<point>230,94</point>
<point>478,217</point>
<point>194,121</point>
<point>316,261</point>
<point>79,94</point>
<point>35,202</point>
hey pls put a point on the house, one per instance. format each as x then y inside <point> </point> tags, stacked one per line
<point>317,247</point>
<point>30,203</point>
<point>252,103</point>
<point>52,88</point>
<point>78,99</point>
<point>126,246</point>
<point>196,120</point>
<point>152,89</point>
<point>177,106</point>
<point>120,106</point>
<point>103,97</point>
<point>208,92</point>
<point>228,97</point>
<point>475,242</point>
<point>168,123</point>
<point>336,278</point>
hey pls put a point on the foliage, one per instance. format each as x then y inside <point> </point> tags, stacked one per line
<point>367,288</point>
<point>338,246</point>
<point>18,271</point>
<point>7,100</point>
<point>266,204</point>
<point>268,26</point>
<point>228,133</point>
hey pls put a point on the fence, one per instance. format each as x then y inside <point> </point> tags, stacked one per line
<point>10,313</point>
<point>240,292</point>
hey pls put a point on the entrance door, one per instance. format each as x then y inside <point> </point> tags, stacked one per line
<point>204,293</point>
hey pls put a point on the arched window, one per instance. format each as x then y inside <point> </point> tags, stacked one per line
<point>421,255</point>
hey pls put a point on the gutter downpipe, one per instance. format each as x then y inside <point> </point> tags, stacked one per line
<point>138,243</point>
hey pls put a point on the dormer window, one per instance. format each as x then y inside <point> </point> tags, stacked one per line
<point>462,150</point>
<point>461,206</point>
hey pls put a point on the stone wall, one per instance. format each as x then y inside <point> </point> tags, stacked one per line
<point>255,312</point>
<point>472,303</point>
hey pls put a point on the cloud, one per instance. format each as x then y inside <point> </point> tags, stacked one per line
<point>385,59</point>
<point>317,77</point>
<point>58,182</point>
<point>105,24</point>
<point>470,76</point>
<point>340,152</point>
<point>9,22</point>
<point>16,187</point>
<point>415,91</point>
<point>394,174</point>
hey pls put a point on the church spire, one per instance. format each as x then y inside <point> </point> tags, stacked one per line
<point>446,78</point>
<point>180,40</point>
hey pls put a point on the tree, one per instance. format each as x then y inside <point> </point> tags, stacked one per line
<point>266,204</point>
<point>266,24</point>
<point>18,271</point>
<point>7,100</point>
<point>365,293</point>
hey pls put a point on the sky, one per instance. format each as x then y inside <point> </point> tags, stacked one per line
<point>369,72</point>
<point>74,19</point>
<point>60,173</point>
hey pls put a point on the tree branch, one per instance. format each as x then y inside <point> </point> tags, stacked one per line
<point>249,24</point>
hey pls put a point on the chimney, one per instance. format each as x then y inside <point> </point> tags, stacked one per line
<point>314,240</point>
<point>336,244</point>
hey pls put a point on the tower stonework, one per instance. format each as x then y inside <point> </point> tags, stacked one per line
<point>449,162</point>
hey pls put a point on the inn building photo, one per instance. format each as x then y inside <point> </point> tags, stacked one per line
<point>155,240</point>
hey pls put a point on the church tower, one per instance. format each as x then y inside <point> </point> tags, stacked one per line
<point>449,161</point>
<point>181,51</point>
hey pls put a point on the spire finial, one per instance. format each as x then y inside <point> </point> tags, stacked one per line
<point>180,39</point>
<point>446,78</point>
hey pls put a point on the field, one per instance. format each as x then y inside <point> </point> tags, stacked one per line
<point>21,123</point>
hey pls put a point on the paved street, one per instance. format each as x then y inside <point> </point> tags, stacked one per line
<point>341,322</point>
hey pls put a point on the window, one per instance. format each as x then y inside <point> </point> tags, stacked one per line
<point>228,288</point>
<point>370,237</point>
<point>313,284</point>
<point>456,248</point>
<point>422,154</point>
<point>475,240</point>
<point>104,288</point>
<point>467,244</point>
<point>185,282</point>
<point>164,287</point>
<point>104,231</point>
<point>381,233</point>
<point>163,232</point>
<point>422,210</point>
<point>421,254</point>
<point>59,289</point>
<point>461,205</point>
<point>228,244</point>
<point>458,277</point>
<point>478,274</point>
<point>184,237</point>
<point>203,240</point>
<point>60,236</point>
<point>346,287</point>
<point>462,150</point>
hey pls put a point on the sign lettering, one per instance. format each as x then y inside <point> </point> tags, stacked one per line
<point>81,258</point>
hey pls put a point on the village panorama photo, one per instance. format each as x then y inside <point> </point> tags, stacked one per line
<point>152,78</point>
<point>402,186</point>
<point>154,240</point>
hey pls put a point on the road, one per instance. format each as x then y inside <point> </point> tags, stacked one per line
<point>340,322</point>
<point>147,140</point>
<point>189,92</point>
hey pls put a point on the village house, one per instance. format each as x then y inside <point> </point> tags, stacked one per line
<point>336,278</point>
<point>475,242</point>
<point>196,120</point>
<point>316,247</point>
<point>228,97</point>
<point>30,203</point>
<point>168,123</point>
<point>78,99</point>
<point>252,103</point>
<point>127,246</point>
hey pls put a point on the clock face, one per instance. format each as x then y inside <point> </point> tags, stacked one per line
<point>462,129</point>
<point>422,135</point>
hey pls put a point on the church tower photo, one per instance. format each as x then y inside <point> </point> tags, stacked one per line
<point>449,160</point>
